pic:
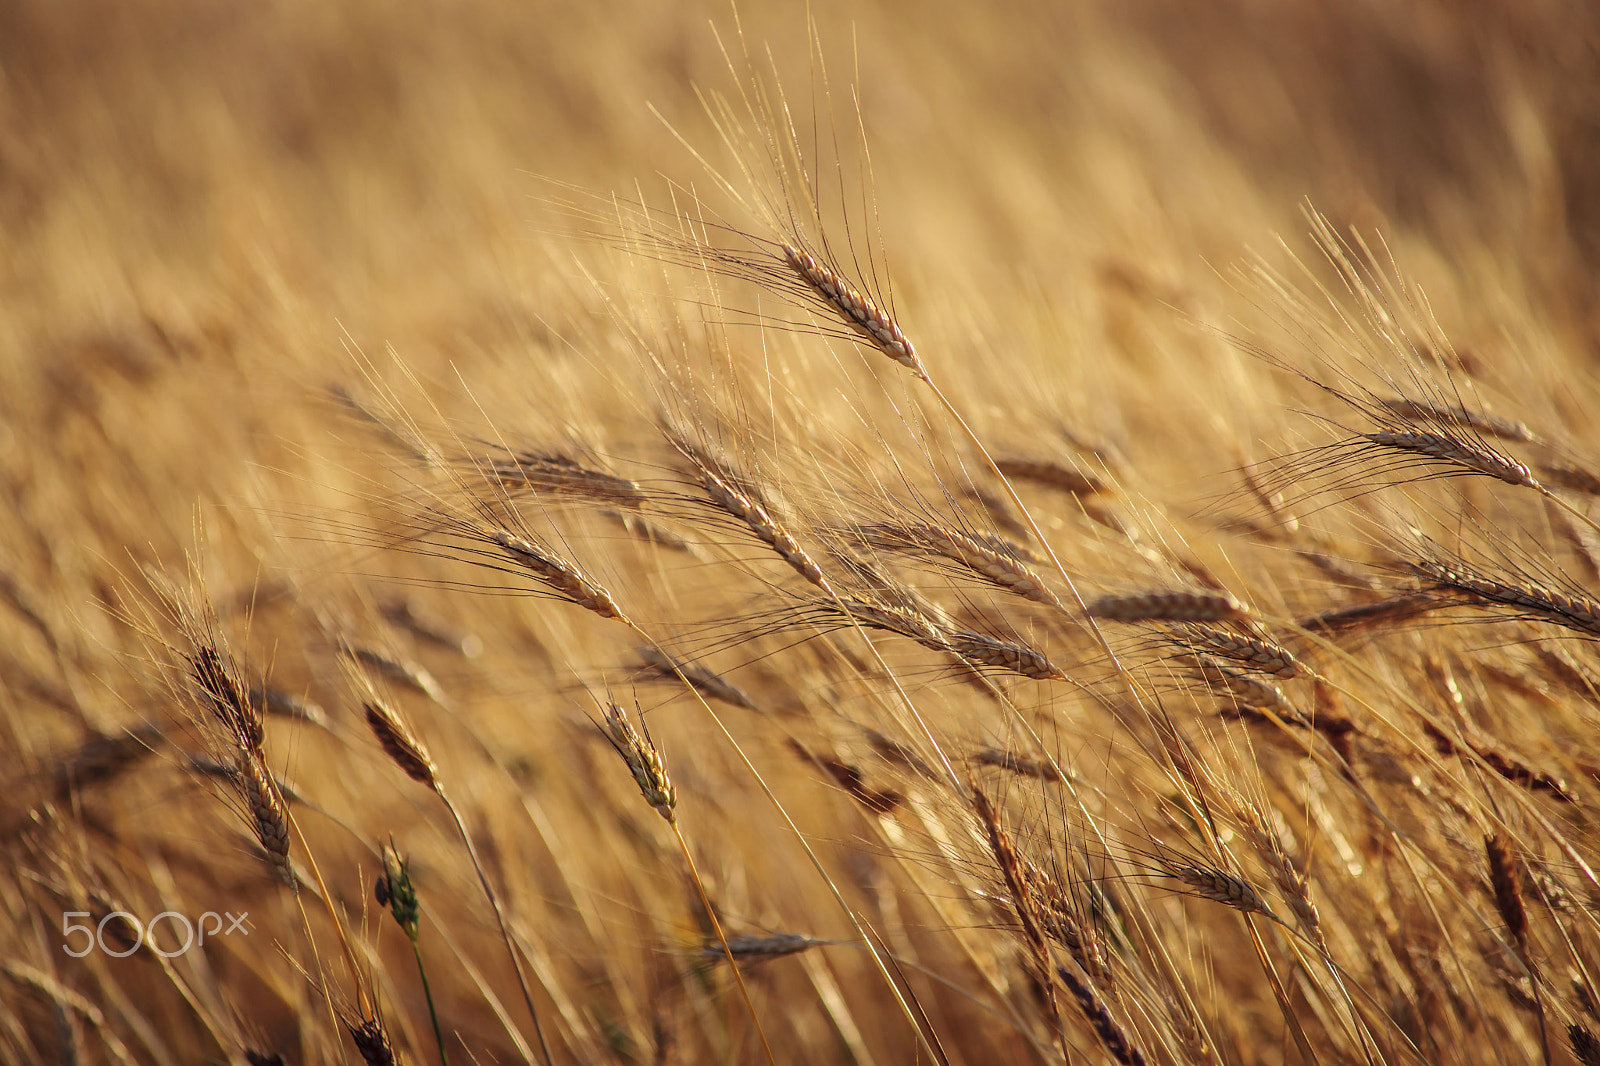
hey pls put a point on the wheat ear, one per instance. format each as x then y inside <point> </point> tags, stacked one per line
<point>1023,901</point>
<point>372,1042</point>
<point>858,310</point>
<point>1505,875</point>
<point>1169,605</point>
<point>994,566</point>
<point>1116,1039</point>
<point>395,891</point>
<point>1576,612</point>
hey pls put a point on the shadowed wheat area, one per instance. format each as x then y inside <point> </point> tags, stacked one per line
<point>882,533</point>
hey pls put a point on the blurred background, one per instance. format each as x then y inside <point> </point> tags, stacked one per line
<point>201,196</point>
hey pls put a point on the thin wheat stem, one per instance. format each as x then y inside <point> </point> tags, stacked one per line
<point>722,938</point>
<point>433,1014</point>
<point>1570,509</point>
<point>505,934</point>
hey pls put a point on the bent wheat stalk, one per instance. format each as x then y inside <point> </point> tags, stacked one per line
<point>407,752</point>
<point>644,761</point>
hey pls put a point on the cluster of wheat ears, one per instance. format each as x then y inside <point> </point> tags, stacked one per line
<point>797,691</point>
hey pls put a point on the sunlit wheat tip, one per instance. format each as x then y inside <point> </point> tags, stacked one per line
<point>557,573</point>
<point>1462,453</point>
<point>644,762</point>
<point>857,310</point>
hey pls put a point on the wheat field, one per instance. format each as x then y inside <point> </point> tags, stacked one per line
<point>865,533</point>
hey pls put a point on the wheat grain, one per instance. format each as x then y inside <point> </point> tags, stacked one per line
<point>224,693</point>
<point>1457,452</point>
<point>983,650</point>
<point>858,311</point>
<point>1506,879</point>
<point>1211,883</point>
<point>1573,611</point>
<point>255,786</point>
<point>400,743</point>
<point>1512,769</point>
<point>1253,652</point>
<point>557,573</point>
<point>1116,1039</point>
<point>644,762</point>
<point>728,495</point>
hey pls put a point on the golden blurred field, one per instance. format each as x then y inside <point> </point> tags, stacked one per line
<point>285,287</point>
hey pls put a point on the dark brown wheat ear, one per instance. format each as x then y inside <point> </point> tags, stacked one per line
<point>1024,904</point>
<point>1169,605</point>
